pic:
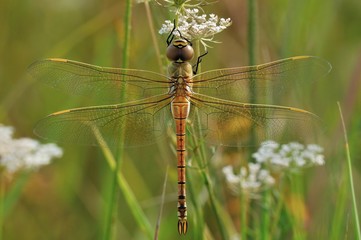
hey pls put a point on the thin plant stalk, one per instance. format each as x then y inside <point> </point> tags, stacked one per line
<point>110,220</point>
<point>244,213</point>
<point>352,188</point>
<point>338,216</point>
<point>127,24</point>
<point>265,215</point>
<point>198,218</point>
<point>251,29</point>
<point>12,195</point>
<point>111,211</point>
<point>109,229</point>
<point>295,218</point>
<point>8,200</point>
<point>251,39</point>
<point>153,34</point>
<point>277,210</point>
<point>156,234</point>
<point>124,187</point>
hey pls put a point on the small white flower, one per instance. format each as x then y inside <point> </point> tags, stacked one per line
<point>292,156</point>
<point>251,179</point>
<point>24,153</point>
<point>197,27</point>
<point>230,176</point>
<point>5,133</point>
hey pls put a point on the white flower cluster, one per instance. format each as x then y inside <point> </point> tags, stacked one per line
<point>251,179</point>
<point>291,156</point>
<point>197,27</point>
<point>24,153</point>
<point>273,157</point>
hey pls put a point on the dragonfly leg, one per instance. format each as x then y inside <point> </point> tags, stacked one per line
<point>171,35</point>
<point>199,60</point>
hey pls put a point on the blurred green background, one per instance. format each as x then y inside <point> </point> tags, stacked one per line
<point>65,200</point>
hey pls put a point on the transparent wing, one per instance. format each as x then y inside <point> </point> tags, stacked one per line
<point>268,80</point>
<point>230,123</point>
<point>105,83</point>
<point>140,122</point>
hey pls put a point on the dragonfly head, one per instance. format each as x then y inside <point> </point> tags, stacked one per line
<point>180,50</point>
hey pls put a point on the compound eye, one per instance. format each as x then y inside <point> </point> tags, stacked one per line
<point>172,53</point>
<point>187,53</point>
<point>180,51</point>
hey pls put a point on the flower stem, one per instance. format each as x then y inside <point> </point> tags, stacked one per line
<point>252,32</point>
<point>252,57</point>
<point>244,212</point>
<point>154,38</point>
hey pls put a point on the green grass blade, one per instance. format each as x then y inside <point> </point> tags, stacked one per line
<point>351,181</point>
<point>125,189</point>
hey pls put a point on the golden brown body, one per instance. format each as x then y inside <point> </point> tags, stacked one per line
<point>181,83</point>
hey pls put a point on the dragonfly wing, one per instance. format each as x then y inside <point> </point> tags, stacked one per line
<point>230,123</point>
<point>105,83</point>
<point>140,122</point>
<point>268,80</point>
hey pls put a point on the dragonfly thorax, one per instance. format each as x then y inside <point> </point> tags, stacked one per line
<point>180,51</point>
<point>180,76</point>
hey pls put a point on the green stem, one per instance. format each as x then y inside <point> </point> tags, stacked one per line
<point>297,220</point>
<point>265,218</point>
<point>251,32</point>
<point>244,213</point>
<point>341,206</point>
<point>199,217</point>
<point>153,34</point>
<point>127,24</point>
<point>123,185</point>
<point>354,203</point>
<point>113,199</point>
<point>12,195</point>
<point>156,234</point>
<point>110,219</point>
<point>215,205</point>
<point>252,57</point>
<point>278,209</point>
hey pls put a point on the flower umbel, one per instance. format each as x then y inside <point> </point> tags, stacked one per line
<point>270,158</point>
<point>24,153</point>
<point>197,27</point>
<point>292,156</point>
<point>251,179</point>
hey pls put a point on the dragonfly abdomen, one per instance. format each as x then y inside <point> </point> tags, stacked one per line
<point>180,110</point>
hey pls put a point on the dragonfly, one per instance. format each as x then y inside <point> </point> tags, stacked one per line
<point>215,102</point>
